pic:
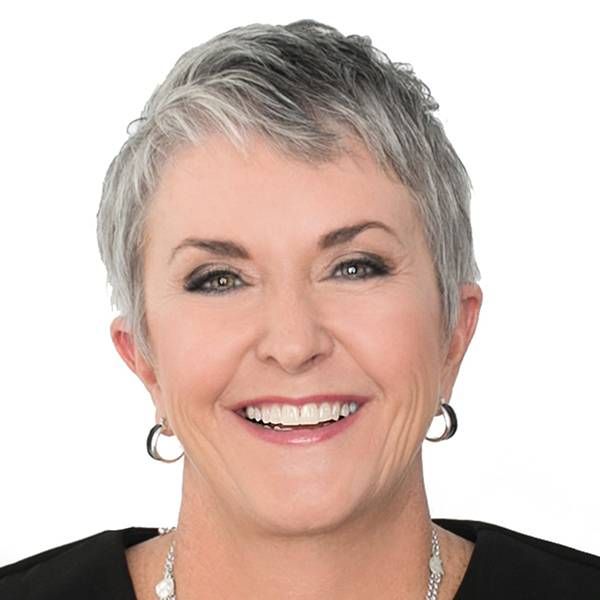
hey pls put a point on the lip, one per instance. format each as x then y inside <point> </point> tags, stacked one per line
<point>299,435</point>
<point>316,399</point>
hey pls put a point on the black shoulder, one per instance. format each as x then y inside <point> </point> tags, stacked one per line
<point>93,567</point>
<point>511,564</point>
<point>472,528</point>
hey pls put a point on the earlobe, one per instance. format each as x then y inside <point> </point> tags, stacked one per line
<point>123,341</point>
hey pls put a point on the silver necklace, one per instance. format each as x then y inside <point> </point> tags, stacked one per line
<point>165,588</point>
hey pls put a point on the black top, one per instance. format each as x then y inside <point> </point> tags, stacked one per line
<point>505,565</point>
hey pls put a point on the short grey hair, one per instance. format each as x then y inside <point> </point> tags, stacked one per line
<point>304,87</point>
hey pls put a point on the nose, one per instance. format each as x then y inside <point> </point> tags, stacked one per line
<point>292,335</point>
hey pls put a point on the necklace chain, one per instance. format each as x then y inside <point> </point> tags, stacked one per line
<point>165,589</point>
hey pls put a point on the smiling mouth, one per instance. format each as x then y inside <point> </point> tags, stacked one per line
<point>280,427</point>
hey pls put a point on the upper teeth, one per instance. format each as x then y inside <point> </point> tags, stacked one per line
<point>307,414</point>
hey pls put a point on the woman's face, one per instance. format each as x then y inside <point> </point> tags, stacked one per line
<point>291,320</point>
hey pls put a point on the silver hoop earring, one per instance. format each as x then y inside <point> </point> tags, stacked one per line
<point>450,421</point>
<point>152,442</point>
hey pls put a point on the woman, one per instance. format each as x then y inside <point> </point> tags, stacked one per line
<point>287,235</point>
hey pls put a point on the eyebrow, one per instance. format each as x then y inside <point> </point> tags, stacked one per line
<point>230,249</point>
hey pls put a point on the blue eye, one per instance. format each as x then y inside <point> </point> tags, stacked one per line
<point>215,281</point>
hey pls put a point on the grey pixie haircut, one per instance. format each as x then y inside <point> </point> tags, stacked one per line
<point>304,87</point>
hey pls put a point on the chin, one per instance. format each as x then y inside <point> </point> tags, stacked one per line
<point>305,521</point>
<point>307,509</point>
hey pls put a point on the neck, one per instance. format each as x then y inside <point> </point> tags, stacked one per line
<point>381,552</point>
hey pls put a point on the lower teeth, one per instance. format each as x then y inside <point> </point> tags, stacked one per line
<point>291,428</point>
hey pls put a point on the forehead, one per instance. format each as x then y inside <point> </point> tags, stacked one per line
<point>213,188</point>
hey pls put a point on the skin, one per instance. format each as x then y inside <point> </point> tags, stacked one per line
<point>347,518</point>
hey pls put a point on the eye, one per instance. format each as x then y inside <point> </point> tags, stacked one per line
<point>375,268</point>
<point>211,282</point>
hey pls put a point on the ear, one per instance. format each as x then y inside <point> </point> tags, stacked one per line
<point>471,298</point>
<point>123,341</point>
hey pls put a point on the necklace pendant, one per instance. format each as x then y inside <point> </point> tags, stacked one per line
<point>165,589</point>
<point>435,566</point>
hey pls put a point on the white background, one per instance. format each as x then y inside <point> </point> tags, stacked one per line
<point>519,95</point>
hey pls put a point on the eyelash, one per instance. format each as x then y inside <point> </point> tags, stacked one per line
<point>378,266</point>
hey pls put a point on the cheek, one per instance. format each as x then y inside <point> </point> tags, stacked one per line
<point>194,353</point>
<point>396,337</point>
